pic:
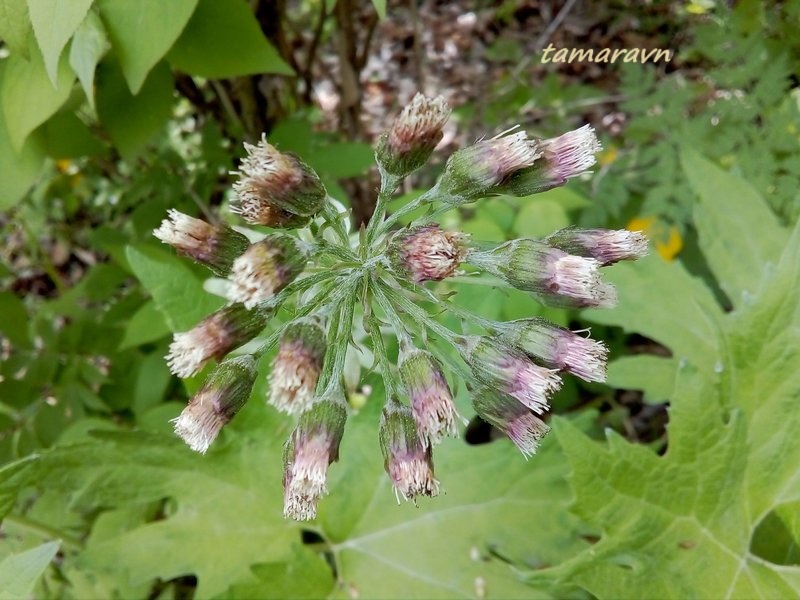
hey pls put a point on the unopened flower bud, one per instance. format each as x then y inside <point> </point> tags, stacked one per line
<point>523,427</point>
<point>269,215</point>
<point>297,366</point>
<point>431,400</point>
<point>557,347</point>
<point>223,394</point>
<point>215,246</point>
<point>562,158</point>
<point>277,179</point>
<point>558,278</point>
<point>214,337</point>
<point>266,267</point>
<point>310,450</point>
<point>408,460</point>
<point>413,135</point>
<point>426,253</point>
<point>510,371</point>
<point>605,245</point>
<point>479,170</point>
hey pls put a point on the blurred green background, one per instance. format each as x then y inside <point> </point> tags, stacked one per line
<point>677,479</point>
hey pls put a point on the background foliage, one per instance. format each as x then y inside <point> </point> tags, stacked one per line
<point>676,479</point>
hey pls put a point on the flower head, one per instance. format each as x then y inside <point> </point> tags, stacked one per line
<point>501,366</point>
<point>413,135</point>
<point>296,367</point>
<point>479,170</point>
<point>431,400</point>
<point>562,158</point>
<point>558,278</point>
<point>214,337</point>
<point>215,246</point>
<point>265,268</point>
<point>270,215</point>
<point>276,179</point>
<point>310,450</point>
<point>407,459</point>
<point>607,246</point>
<point>523,427</point>
<point>223,394</point>
<point>557,347</point>
<point>426,253</point>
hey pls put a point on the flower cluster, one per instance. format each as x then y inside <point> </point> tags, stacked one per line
<point>325,277</point>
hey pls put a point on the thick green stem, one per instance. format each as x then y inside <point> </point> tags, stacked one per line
<point>487,324</point>
<point>389,184</point>
<point>416,313</point>
<point>334,218</point>
<point>416,203</point>
<point>340,330</point>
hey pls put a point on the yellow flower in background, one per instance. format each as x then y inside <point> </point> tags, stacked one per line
<point>606,157</point>
<point>666,238</point>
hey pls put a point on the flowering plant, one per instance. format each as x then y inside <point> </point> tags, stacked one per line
<point>325,276</point>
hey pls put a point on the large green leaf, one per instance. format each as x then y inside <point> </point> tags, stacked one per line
<point>54,22</point>
<point>18,169</point>
<point>28,97</point>
<point>15,26</point>
<point>224,515</point>
<point>143,31</point>
<point>684,524</point>
<point>176,290</point>
<point>19,572</point>
<point>493,504</point>
<point>223,39</point>
<point>88,46</point>
<point>687,326</point>
<point>133,121</point>
<point>739,234</point>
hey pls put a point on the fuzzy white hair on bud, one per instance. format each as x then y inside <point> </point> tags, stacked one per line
<point>526,431</point>
<point>532,385</point>
<point>572,153</point>
<point>306,476</point>
<point>199,424</point>
<point>182,231</point>
<point>412,476</point>
<point>293,378</point>
<point>189,351</point>
<point>578,278</point>
<point>614,245</point>
<point>253,279</point>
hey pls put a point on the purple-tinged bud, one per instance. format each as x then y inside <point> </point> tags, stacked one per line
<point>214,337</point>
<point>215,246</point>
<point>268,215</point>
<point>605,245</point>
<point>408,460</point>
<point>297,366</point>
<point>431,400</point>
<point>510,371</point>
<point>310,450</point>
<point>558,278</point>
<point>562,158</point>
<point>413,135</point>
<point>426,253</point>
<point>277,179</point>
<point>523,427</point>
<point>265,268</point>
<point>557,347</point>
<point>223,394</point>
<point>480,170</point>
